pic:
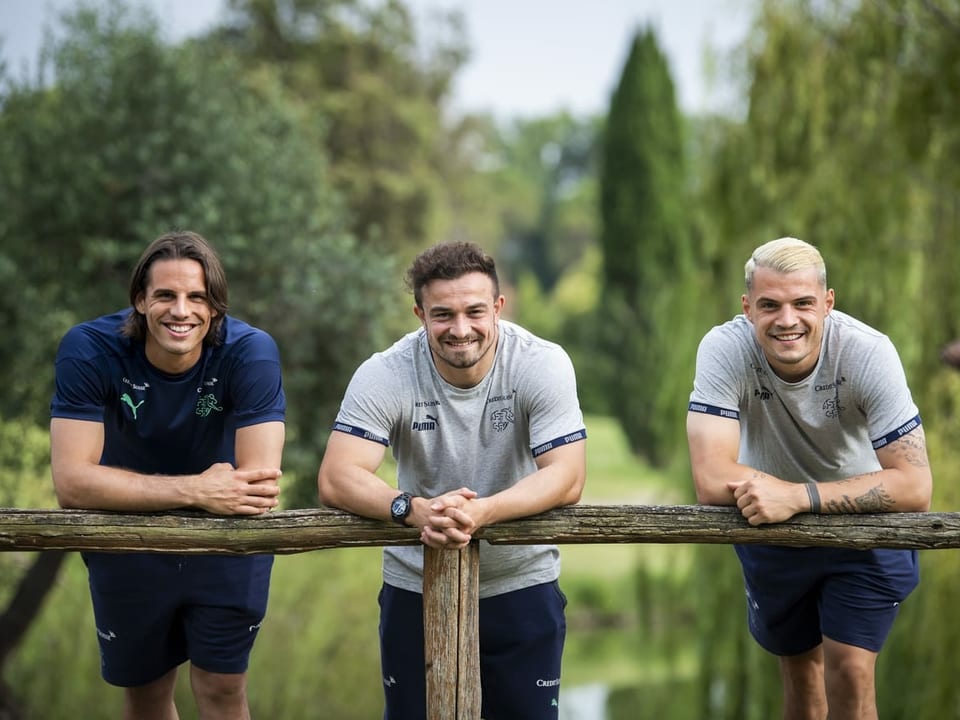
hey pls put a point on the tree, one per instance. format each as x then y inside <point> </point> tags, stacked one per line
<point>24,459</point>
<point>360,67</point>
<point>543,171</point>
<point>134,138</point>
<point>646,252</point>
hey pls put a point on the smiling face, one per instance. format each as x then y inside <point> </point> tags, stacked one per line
<point>787,311</point>
<point>174,304</point>
<point>461,318</point>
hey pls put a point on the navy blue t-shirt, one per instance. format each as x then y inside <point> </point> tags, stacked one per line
<point>155,423</point>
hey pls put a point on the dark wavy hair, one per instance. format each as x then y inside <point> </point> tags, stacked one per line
<point>449,261</point>
<point>179,245</point>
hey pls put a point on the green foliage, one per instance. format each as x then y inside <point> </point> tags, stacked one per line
<point>546,176</point>
<point>135,138</point>
<point>360,67</point>
<point>24,466</point>
<point>568,315</point>
<point>24,482</point>
<point>647,254</point>
<point>319,655</point>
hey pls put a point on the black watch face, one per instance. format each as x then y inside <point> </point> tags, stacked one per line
<point>400,507</point>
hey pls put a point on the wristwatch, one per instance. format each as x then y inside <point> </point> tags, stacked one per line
<point>400,508</point>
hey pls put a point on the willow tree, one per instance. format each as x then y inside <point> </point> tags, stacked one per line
<point>646,254</point>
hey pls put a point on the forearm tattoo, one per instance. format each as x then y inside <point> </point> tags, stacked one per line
<point>875,500</point>
<point>912,448</point>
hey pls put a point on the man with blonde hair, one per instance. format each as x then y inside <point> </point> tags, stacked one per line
<point>798,407</point>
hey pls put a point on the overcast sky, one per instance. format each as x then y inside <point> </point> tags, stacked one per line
<point>528,57</point>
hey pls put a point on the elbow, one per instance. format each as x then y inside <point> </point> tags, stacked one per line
<point>700,489</point>
<point>706,496</point>
<point>924,495</point>
<point>61,489</point>
<point>710,492</point>
<point>322,491</point>
<point>574,495</point>
<point>326,489</point>
<point>66,498</point>
<point>74,485</point>
<point>575,492</point>
<point>913,495</point>
<point>917,503</point>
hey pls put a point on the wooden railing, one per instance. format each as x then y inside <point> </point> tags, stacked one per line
<point>450,587</point>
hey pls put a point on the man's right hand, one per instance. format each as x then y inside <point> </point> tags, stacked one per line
<point>764,499</point>
<point>446,525</point>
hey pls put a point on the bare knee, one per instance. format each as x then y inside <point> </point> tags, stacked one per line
<point>850,677</point>
<point>220,696</point>
<point>850,680</point>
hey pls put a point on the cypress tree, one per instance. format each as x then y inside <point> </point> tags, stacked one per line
<point>646,254</point>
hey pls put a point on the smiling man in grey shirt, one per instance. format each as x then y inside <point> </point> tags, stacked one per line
<point>797,407</point>
<point>485,426</point>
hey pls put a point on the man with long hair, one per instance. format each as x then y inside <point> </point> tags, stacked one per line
<point>172,404</point>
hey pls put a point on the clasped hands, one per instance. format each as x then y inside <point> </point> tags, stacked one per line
<point>452,519</point>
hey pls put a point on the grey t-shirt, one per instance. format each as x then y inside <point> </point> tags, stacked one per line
<point>824,427</point>
<point>485,438</point>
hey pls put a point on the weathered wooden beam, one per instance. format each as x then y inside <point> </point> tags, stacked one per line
<point>451,643</point>
<point>296,531</point>
<point>705,524</point>
<point>451,631</point>
<point>286,532</point>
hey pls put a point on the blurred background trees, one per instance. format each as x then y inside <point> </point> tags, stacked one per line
<point>311,141</point>
<point>648,258</point>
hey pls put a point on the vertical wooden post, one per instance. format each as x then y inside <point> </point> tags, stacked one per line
<point>451,632</point>
<point>468,635</point>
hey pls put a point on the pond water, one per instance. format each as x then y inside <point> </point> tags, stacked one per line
<point>585,702</point>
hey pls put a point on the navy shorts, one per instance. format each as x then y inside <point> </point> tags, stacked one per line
<point>156,611</point>
<point>521,645</point>
<point>798,596</point>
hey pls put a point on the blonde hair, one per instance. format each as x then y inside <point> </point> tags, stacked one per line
<point>786,255</point>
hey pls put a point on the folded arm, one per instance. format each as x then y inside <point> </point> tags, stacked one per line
<point>902,484</point>
<point>557,481</point>
<point>81,482</point>
<point>347,478</point>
